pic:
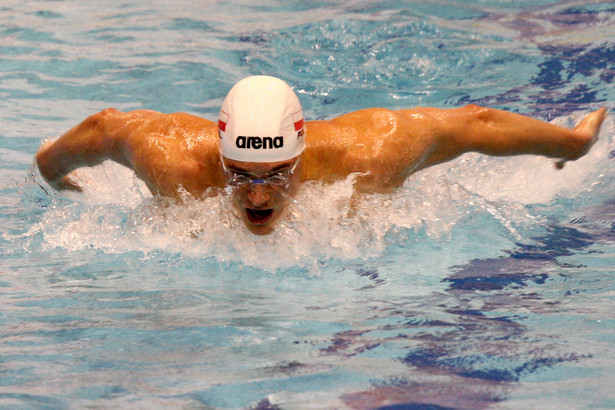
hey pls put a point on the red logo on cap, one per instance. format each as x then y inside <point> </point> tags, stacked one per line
<point>298,122</point>
<point>222,120</point>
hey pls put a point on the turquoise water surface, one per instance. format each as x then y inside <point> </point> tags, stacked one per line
<point>482,283</point>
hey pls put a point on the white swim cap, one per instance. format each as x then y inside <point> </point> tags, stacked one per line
<point>261,120</point>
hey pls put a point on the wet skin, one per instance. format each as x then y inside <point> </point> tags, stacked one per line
<point>384,147</point>
<point>260,205</point>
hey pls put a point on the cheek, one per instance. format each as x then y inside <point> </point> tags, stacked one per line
<point>277,197</point>
<point>239,197</point>
<point>292,189</point>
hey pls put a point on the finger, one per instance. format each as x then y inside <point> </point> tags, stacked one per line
<point>560,164</point>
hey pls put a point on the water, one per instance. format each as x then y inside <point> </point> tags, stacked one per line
<point>485,282</point>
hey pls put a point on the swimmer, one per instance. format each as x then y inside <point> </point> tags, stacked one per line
<point>262,148</point>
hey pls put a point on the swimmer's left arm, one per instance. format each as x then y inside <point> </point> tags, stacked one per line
<point>501,133</point>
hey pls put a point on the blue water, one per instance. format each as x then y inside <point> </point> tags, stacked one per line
<point>485,282</point>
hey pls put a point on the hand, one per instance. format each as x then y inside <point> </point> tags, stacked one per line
<point>66,183</point>
<point>588,129</point>
<point>48,170</point>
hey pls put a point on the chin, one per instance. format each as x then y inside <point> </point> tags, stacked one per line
<point>260,229</point>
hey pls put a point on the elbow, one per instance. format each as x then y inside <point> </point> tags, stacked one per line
<point>108,112</point>
<point>475,109</point>
<point>476,113</point>
<point>97,121</point>
<point>472,107</point>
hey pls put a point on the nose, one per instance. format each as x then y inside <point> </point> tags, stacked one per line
<point>258,194</point>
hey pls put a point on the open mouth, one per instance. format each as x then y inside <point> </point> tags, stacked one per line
<point>259,216</point>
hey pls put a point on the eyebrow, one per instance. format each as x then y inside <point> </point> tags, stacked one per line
<point>275,170</point>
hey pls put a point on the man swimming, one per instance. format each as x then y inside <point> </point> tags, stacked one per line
<point>263,149</point>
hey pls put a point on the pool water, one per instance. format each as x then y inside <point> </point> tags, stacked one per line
<point>484,282</point>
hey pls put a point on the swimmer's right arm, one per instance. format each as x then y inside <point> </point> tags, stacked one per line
<point>166,151</point>
<point>87,144</point>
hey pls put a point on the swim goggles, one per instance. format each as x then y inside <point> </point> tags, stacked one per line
<point>242,179</point>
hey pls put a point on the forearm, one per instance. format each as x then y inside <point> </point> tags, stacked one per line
<point>497,132</point>
<point>87,144</point>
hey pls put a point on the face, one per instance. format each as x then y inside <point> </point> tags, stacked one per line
<point>261,190</point>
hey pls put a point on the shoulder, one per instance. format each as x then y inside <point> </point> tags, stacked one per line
<point>376,121</point>
<point>170,125</point>
<point>185,138</point>
<point>349,128</point>
<point>146,125</point>
<point>366,119</point>
<point>382,144</point>
<point>374,130</point>
<point>169,150</point>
